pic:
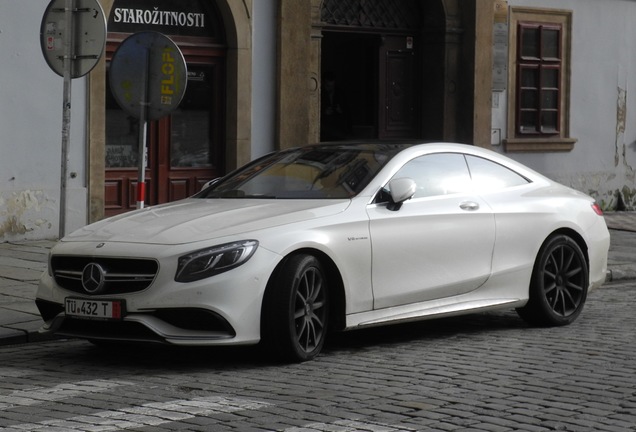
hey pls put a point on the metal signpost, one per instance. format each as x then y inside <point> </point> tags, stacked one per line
<point>148,78</point>
<point>72,36</point>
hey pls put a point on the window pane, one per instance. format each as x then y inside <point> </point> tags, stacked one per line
<point>529,99</point>
<point>550,43</point>
<point>122,134</point>
<point>489,176</point>
<point>530,42</point>
<point>550,78</point>
<point>190,139</point>
<point>549,122</point>
<point>191,134</point>
<point>122,139</point>
<point>437,174</point>
<point>550,99</point>
<point>529,77</point>
<point>528,122</point>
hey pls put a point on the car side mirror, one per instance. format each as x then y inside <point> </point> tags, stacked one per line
<point>210,183</point>
<point>402,189</point>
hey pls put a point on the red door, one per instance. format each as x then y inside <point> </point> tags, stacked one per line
<point>184,150</point>
<point>190,141</point>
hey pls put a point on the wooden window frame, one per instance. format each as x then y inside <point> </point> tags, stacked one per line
<point>541,140</point>
<point>537,65</point>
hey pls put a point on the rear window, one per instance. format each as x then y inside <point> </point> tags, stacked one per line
<point>488,175</point>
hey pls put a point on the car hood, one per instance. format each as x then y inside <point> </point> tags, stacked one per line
<point>194,219</point>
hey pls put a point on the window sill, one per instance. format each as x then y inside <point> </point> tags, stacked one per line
<point>537,145</point>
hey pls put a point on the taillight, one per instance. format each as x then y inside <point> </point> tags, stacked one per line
<point>597,209</point>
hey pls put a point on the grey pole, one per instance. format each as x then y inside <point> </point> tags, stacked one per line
<point>66,110</point>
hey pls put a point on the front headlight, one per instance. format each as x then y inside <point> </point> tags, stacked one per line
<point>208,262</point>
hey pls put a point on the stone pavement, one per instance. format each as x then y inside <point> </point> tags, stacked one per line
<point>22,263</point>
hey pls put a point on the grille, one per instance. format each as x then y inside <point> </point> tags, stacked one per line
<point>130,331</point>
<point>121,275</point>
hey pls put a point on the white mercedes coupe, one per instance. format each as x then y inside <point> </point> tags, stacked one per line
<point>331,237</point>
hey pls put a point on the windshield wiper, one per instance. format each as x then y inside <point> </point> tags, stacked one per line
<point>259,196</point>
<point>236,193</point>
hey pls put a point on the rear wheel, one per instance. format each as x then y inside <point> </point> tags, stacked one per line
<point>559,283</point>
<point>296,310</point>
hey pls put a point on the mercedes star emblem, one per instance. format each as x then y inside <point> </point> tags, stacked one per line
<point>93,278</point>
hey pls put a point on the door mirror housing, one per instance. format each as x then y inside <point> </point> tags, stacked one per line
<point>211,183</point>
<point>401,189</point>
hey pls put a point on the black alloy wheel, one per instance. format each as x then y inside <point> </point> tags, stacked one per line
<point>559,283</point>
<point>296,311</point>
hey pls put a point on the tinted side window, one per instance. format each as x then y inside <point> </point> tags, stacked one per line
<point>488,175</point>
<point>437,174</point>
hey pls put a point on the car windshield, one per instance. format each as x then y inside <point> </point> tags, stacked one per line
<point>330,171</point>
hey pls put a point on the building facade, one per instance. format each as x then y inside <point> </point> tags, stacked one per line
<point>544,82</point>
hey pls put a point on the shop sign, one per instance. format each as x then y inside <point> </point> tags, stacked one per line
<point>175,17</point>
<point>158,18</point>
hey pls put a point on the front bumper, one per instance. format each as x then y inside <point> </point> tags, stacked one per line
<point>188,326</point>
<point>221,310</point>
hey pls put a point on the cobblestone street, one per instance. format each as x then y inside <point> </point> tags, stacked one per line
<point>482,373</point>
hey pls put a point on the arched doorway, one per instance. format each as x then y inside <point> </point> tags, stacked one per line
<point>372,50</point>
<point>185,149</point>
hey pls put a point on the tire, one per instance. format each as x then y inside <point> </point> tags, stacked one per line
<point>559,283</point>
<point>296,310</point>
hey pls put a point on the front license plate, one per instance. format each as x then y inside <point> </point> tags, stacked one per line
<point>95,309</point>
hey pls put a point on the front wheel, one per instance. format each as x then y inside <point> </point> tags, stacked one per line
<point>559,283</point>
<point>296,309</point>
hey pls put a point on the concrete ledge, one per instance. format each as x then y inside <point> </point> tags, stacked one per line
<point>16,336</point>
<point>621,273</point>
<point>9,336</point>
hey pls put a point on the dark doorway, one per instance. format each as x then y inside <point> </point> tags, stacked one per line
<point>353,60</point>
<point>372,49</point>
<point>375,83</point>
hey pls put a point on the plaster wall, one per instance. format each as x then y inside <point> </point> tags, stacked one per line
<point>602,108</point>
<point>31,97</point>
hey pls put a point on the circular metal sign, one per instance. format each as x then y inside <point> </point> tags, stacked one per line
<point>87,32</point>
<point>148,72</point>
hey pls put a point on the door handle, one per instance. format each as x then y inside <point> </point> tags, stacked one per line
<point>469,206</point>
